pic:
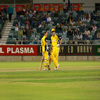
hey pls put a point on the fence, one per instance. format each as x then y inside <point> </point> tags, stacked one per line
<point>33,52</point>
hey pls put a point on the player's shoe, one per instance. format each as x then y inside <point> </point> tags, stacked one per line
<point>45,69</point>
<point>49,67</point>
<point>58,67</point>
<point>55,69</point>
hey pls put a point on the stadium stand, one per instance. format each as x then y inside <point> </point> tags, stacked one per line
<point>75,27</point>
<point>3,17</point>
<point>34,23</point>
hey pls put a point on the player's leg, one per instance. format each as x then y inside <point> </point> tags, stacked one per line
<point>46,60</point>
<point>50,58</point>
<point>57,54</point>
<point>42,59</point>
<point>47,57</point>
<point>53,58</point>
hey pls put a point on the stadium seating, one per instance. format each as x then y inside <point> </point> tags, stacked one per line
<point>2,20</point>
<point>38,33</point>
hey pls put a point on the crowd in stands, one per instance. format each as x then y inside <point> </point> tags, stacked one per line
<point>74,27</point>
<point>3,17</point>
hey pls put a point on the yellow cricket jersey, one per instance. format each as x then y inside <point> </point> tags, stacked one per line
<point>43,43</point>
<point>54,40</point>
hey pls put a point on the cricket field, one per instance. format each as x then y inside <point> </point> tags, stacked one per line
<point>75,80</point>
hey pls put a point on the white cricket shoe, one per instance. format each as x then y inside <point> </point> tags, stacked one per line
<point>58,66</point>
<point>45,69</point>
<point>55,69</point>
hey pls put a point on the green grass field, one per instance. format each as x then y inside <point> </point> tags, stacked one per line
<point>73,81</point>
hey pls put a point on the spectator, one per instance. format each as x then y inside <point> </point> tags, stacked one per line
<point>21,42</point>
<point>88,42</point>
<point>16,42</point>
<point>79,37</point>
<point>35,42</point>
<point>76,31</point>
<point>70,41</point>
<point>19,23</point>
<point>42,16</point>
<point>97,15</point>
<point>70,18</point>
<point>23,9</point>
<point>56,14</point>
<point>16,28</point>
<point>34,16</point>
<point>30,20</point>
<point>10,12</point>
<point>48,19</point>
<point>20,32</point>
<point>94,28</point>
<point>24,31</point>
<point>44,25</point>
<point>35,24</point>
<point>41,25</point>
<point>88,19</point>
<point>4,9</point>
<point>90,28</point>
<point>79,22</point>
<point>60,28</point>
<point>73,31</point>
<point>75,42</point>
<point>26,14</point>
<point>36,11</point>
<point>98,34</point>
<point>69,32</point>
<point>86,33</point>
<point>82,27</point>
<point>26,42</point>
<point>75,36</point>
<point>83,19</point>
<point>72,23</point>
<point>30,14</point>
<point>52,14</point>
<point>29,31</point>
<point>92,17</point>
<point>27,23</point>
<point>65,32</point>
<point>2,17</point>
<point>68,7</point>
<point>63,22</point>
<point>57,26</point>
<point>66,24</point>
<point>64,6</point>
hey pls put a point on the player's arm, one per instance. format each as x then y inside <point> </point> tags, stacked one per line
<point>51,42</point>
<point>43,45</point>
<point>60,39</point>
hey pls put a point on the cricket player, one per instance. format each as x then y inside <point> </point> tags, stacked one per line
<point>45,51</point>
<point>55,48</point>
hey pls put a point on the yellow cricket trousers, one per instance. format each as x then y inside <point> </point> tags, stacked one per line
<point>46,59</point>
